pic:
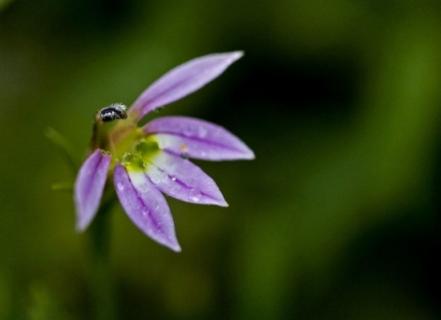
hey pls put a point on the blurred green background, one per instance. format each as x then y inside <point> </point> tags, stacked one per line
<point>337,218</point>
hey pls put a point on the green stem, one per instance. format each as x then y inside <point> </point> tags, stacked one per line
<point>101,280</point>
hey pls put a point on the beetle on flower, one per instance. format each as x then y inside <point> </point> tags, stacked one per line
<point>151,160</point>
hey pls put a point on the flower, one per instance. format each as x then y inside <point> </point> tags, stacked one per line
<point>150,161</point>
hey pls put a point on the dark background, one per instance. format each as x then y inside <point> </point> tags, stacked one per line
<point>338,216</point>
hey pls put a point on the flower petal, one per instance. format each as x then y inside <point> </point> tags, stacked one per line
<point>145,206</point>
<point>197,139</point>
<point>181,179</point>
<point>183,80</point>
<point>89,187</point>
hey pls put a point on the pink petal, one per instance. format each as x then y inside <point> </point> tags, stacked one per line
<point>145,206</point>
<point>89,187</point>
<point>181,179</point>
<point>183,80</point>
<point>197,139</point>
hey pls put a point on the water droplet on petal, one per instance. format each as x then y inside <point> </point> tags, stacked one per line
<point>202,132</point>
<point>144,213</point>
<point>188,131</point>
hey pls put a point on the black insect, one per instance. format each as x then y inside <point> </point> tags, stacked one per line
<point>115,111</point>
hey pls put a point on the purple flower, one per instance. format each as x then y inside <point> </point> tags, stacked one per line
<point>151,160</point>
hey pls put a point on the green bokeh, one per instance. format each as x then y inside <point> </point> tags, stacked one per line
<point>337,218</point>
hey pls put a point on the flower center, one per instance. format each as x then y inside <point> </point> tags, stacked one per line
<point>139,158</point>
<point>117,132</point>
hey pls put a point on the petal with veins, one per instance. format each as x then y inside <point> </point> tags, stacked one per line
<point>181,179</point>
<point>197,139</point>
<point>183,80</point>
<point>145,206</point>
<point>89,187</point>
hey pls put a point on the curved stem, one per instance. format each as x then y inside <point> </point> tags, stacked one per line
<point>101,280</point>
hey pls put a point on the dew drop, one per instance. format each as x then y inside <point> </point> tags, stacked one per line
<point>144,213</point>
<point>155,179</point>
<point>202,132</point>
<point>194,194</point>
<point>188,131</point>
